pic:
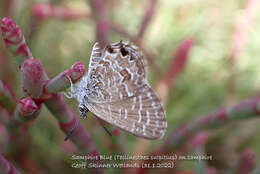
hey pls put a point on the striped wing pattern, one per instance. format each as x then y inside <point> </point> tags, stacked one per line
<point>118,92</point>
<point>95,57</point>
<point>141,115</point>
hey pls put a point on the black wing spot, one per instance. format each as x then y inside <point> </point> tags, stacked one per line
<point>110,49</point>
<point>123,51</point>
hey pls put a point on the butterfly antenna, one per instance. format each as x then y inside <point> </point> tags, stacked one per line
<point>102,124</point>
<point>72,130</point>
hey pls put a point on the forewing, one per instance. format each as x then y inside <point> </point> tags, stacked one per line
<point>119,73</point>
<point>141,115</point>
<point>95,57</point>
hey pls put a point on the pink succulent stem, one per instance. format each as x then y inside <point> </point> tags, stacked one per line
<point>43,11</point>
<point>199,140</point>
<point>212,170</point>
<point>197,147</point>
<point>246,163</point>
<point>102,25</point>
<point>8,7</point>
<point>33,77</point>
<point>26,110</point>
<point>62,81</point>
<point>179,60</point>
<point>7,98</point>
<point>14,40</point>
<point>67,120</point>
<point>244,110</point>
<point>6,167</point>
<point>149,13</point>
<point>120,30</point>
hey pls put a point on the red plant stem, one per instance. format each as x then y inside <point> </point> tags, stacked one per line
<point>118,29</point>
<point>247,162</point>
<point>62,81</point>
<point>26,110</point>
<point>7,9</point>
<point>212,170</point>
<point>32,77</point>
<point>196,145</point>
<point>179,60</point>
<point>149,13</point>
<point>6,167</point>
<point>102,25</point>
<point>244,110</point>
<point>199,140</point>
<point>54,103</point>
<point>43,11</point>
<point>7,98</point>
<point>14,40</point>
<point>67,120</point>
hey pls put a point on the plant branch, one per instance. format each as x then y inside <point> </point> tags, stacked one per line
<point>102,24</point>
<point>54,102</point>
<point>14,40</point>
<point>43,11</point>
<point>242,111</point>
<point>178,62</point>
<point>62,81</point>
<point>6,167</point>
<point>149,13</point>
<point>247,162</point>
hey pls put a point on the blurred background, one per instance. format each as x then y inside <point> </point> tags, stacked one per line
<point>201,55</point>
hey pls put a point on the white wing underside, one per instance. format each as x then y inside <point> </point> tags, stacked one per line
<point>132,104</point>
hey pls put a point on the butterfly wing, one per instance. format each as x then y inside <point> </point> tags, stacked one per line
<point>141,115</point>
<point>95,57</point>
<point>118,74</point>
<point>121,95</point>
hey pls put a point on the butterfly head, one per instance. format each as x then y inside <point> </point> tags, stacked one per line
<point>83,110</point>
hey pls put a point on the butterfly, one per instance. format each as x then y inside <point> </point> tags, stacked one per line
<point>116,90</point>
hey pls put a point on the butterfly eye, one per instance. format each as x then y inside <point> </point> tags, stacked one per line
<point>81,109</point>
<point>123,51</point>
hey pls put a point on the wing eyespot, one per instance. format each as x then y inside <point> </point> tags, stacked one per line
<point>124,52</point>
<point>110,49</point>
